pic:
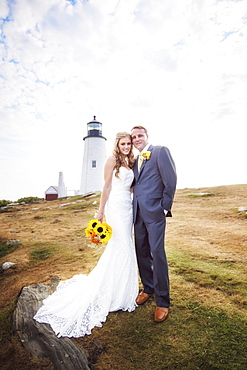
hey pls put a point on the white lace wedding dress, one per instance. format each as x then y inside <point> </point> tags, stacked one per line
<point>83,302</point>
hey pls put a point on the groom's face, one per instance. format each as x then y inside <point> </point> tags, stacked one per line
<point>139,138</point>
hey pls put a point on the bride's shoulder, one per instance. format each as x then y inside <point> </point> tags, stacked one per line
<point>111,159</point>
<point>110,162</point>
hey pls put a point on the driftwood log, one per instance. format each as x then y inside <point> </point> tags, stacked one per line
<point>39,339</point>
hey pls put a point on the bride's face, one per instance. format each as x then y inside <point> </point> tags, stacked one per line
<point>125,145</point>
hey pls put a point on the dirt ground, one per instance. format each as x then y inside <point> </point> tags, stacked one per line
<point>41,225</point>
<point>206,220</point>
<point>212,222</point>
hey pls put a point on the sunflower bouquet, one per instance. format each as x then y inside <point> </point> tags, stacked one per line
<point>98,233</point>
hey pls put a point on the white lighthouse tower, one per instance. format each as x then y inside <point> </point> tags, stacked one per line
<point>94,157</point>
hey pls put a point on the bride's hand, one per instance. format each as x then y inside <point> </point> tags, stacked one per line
<point>99,216</point>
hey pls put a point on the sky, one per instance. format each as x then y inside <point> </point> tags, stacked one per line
<point>179,68</point>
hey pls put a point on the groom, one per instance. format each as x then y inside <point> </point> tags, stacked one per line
<point>154,189</point>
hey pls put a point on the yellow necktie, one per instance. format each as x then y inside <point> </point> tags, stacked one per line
<point>140,160</point>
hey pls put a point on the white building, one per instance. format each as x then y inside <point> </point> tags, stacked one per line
<point>62,192</point>
<point>94,157</point>
<point>55,192</point>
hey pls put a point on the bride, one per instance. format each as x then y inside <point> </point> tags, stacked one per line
<point>83,302</point>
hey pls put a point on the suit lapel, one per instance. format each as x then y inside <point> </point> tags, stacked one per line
<point>136,168</point>
<point>150,148</point>
<point>142,166</point>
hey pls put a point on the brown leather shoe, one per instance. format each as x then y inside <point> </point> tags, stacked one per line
<point>161,314</point>
<point>142,298</point>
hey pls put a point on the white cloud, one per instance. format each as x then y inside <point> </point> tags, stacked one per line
<point>177,67</point>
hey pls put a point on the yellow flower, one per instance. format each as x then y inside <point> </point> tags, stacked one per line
<point>100,229</point>
<point>108,227</point>
<point>98,233</point>
<point>93,223</point>
<point>146,155</point>
<point>104,238</point>
<point>88,232</point>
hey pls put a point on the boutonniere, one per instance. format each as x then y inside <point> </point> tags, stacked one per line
<point>146,155</point>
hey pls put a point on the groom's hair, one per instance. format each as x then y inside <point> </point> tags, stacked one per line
<point>140,128</point>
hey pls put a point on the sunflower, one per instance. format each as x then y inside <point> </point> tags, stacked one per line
<point>93,223</point>
<point>105,232</point>
<point>89,232</point>
<point>100,229</point>
<point>108,227</point>
<point>98,233</point>
<point>105,237</point>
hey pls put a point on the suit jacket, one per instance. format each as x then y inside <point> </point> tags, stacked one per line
<point>154,185</point>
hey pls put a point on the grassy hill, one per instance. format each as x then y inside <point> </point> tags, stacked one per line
<point>206,244</point>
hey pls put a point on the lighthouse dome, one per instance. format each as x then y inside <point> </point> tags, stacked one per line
<point>94,128</point>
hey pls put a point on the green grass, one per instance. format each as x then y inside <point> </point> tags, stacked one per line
<point>6,248</point>
<point>201,339</point>
<point>77,207</point>
<point>224,275</point>
<point>6,321</point>
<point>42,252</point>
<point>199,195</point>
<point>200,333</point>
<point>4,203</point>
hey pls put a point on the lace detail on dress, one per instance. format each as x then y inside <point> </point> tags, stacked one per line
<point>83,302</point>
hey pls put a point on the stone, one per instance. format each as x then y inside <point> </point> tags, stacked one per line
<point>242,209</point>
<point>7,265</point>
<point>39,339</point>
<point>13,241</point>
<point>56,220</point>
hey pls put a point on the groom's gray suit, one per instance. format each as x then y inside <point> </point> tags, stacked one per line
<point>154,189</point>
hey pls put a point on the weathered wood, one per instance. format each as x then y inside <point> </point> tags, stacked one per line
<point>39,339</point>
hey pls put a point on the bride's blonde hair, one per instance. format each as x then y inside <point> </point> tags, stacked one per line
<point>120,158</point>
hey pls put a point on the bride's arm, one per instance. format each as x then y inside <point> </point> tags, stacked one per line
<point>108,171</point>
